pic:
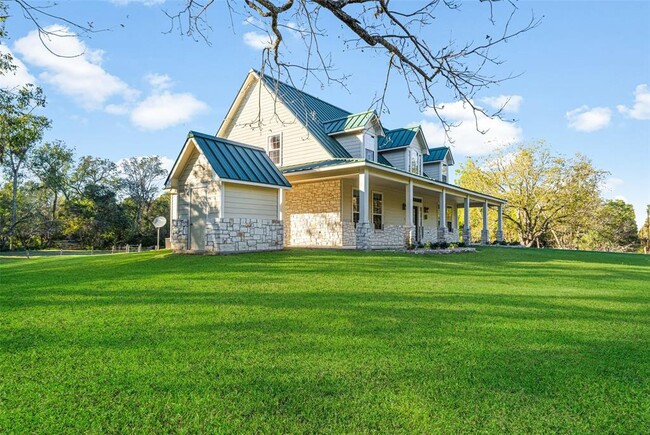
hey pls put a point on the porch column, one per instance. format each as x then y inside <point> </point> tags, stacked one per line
<point>500,224</point>
<point>442,224</point>
<point>485,234</point>
<point>363,226</point>
<point>280,203</point>
<point>467,233</point>
<point>409,235</point>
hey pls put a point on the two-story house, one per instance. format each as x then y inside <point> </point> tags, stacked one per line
<point>289,169</point>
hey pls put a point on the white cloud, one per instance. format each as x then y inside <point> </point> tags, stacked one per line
<point>17,78</point>
<point>257,40</point>
<point>587,119</point>
<point>75,70</point>
<point>467,140</point>
<point>159,82</point>
<point>167,163</point>
<point>641,108</point>
<point>506,103</point>
<point>165,109</point>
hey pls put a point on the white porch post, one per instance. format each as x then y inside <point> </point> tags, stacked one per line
<point>280,203</point>
<point>467,234</point>
<point>442,224</point>
<point>363,226</point>
<point>485,233</point>
<point>408,224</point>
<point>500,224</point>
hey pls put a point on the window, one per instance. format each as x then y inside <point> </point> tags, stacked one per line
<point>415,161</point>
<point>274,148</point>
<point>444,178</point>
<point>369,144</point>
<point>355,206</point>
<point>378,210</point>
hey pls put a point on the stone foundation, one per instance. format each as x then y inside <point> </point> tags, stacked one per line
<point>485,237</point>
<point>391,236</point>
<point>315,229</point>
<point>363,235</point>
<point>179,233</point>
<point>467,236</point>
<point>499,236</point>
<point>244,235</point>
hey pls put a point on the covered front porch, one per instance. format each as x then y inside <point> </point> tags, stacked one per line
<point>369,206</point>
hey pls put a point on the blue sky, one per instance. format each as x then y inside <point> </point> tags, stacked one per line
<point>584,84</point>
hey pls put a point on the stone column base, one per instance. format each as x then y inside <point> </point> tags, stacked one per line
<point>499,236</point>
<point>485,237</point>
<point>363,235</point>
<point>467,236</point>
<point>442,234</point>
<point>409,235</point>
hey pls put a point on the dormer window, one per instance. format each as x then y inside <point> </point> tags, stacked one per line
<point>414,161</point>
<point>274,148</point>
<point>369,145</point>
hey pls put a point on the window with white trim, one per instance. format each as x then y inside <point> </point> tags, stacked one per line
<point>370,145</point>
<point>415,161</point>
<point>378,210</point>
<point>355,206</point>
<point>274,148</point>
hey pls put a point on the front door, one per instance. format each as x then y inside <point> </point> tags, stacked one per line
<point>198,209</point>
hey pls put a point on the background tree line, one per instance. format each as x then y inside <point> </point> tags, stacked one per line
<point>553,201</point>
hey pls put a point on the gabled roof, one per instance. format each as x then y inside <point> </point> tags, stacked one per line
<point>233,161</point>
<point>397,138</point>
<point>350,122</point>
<point>311,112</point>
<point>437,155</point>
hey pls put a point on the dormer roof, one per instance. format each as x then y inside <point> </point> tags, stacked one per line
<point>352,122</point>
<point>439,154</point>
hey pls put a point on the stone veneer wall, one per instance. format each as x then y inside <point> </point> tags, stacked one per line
<point>392,236</point>
<point>179,234</point>
<point>233,235</point>
<point>243,234</point>
<point>312,212</point>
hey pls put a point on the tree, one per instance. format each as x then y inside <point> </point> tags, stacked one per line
<point>92,171</point>
<point>615,228</point>
<point>547,195</point>
<point>403,32</point>
<point>140,181</point>
<point>20,131</point>
<point>644,232</point>
<point>51,164</point>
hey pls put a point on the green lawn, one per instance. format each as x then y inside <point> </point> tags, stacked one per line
<point>326,341</point>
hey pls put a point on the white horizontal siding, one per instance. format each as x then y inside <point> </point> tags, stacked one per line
<point>432,170</point>
<point>260,115</point>
<point>397,158</point>
<point>243,201</point>
<point>352,143</point>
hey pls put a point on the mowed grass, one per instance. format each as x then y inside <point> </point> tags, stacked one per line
<point>504,340</point>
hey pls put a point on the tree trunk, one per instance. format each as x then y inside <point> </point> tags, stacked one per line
<point>14,204</point>
<point>56,197</point>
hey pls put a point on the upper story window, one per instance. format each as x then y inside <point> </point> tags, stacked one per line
<point>414,161</point>
<point>274,148</point>
<point>370,145</point>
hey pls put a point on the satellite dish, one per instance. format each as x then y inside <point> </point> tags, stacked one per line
<point>159,222</point>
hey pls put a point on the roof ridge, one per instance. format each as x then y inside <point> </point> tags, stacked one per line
<point>351,114</point>
<point>302,92</point>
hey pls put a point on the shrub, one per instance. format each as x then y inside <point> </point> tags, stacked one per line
<point>420,245</point>
<point>428,245</point>
<point>435,245</point>
<point>514,243</point>
<point>410,246</point>
<point>462,245</point>
<point>444,245</point>
<point>453,245</point>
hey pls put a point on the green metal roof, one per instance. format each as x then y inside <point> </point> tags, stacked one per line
<point>398,138</point>
<point>436,154</point>
<point>321,164</point>
<point>350,122</point>
<point>311,111</point>
<point>238,162</point>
